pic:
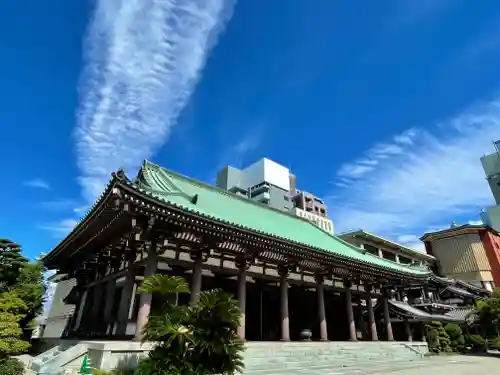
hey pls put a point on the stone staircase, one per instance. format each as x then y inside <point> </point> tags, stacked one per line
<point>262,358</point>
<point>268,358</point>
<point>55,360</point>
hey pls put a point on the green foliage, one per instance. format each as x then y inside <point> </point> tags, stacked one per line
<point>114,372</point>
<point>197,339</point>
<point>457,339</point>
<point>24,279</point>
<point>437,338</point>
<point>11,308</point>
<point>487,315</point>
<point>494,343</point>
<point>11,261</point>
<point>11,366</point>
<point>476,343</point>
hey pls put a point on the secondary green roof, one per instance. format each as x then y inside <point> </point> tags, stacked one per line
<point>224,206</point>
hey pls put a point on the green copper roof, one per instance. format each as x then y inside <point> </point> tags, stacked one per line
<point>222,205</point>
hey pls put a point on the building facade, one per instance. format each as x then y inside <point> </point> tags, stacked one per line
<point>270,183</point>
<point>286,273</point>
<point>467,252</point>
<point>387,249</point>
<point>491,166</point>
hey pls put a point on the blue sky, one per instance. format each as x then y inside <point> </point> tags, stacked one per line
<point>383,108</point>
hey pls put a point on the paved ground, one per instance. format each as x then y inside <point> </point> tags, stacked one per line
<point>460,365</point>
<point>443,365</point>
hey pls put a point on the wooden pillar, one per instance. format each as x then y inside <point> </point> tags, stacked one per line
<point>323,329</point>
<point>96,312</point>
<point>242,296</point>
<point>350,314</point>
<point>125,300</point>
<point>81,308</point>
<point>371,316</point>
<point>146,298</point>
<point>409,336</point>
<point>387,318</point>
<point>108,304</point>
<point>285,321</point>
<point>196,280</point>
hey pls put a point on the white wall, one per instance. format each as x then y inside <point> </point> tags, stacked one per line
<point>268,171</point>
<point>320,221</point>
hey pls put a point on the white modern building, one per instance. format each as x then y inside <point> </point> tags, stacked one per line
<point>491,166</point>
<point>270,183</point>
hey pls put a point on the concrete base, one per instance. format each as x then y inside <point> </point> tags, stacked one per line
<point>258,356</point>
<point>109,355</point>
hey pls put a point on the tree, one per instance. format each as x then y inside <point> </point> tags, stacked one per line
<point>487,315</point>
<point>24,278</point>
<point>11,261</point>
<point>198,339</point>
<point>30,287</point>
<point>11,312</point>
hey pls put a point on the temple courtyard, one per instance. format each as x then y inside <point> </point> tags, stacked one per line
<point>453,364</point>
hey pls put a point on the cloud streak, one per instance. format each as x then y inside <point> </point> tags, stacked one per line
<point>37,183</point>
<point>144,59</point>
<point>420,179</point>
<point>60,228</point>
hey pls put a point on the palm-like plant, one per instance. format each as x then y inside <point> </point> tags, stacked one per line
<point>198,339</point>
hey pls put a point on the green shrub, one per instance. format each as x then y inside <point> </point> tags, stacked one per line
<point>114,372</point>
<point>476,343</point>
<point>11,366</point>
<point>199,339</point>
<point>457,339</point>
<point>437,338</point>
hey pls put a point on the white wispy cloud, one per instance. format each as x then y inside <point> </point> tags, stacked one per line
<point>58,204</point>
<point>60,228</point>
<point>144,58</point>
<point>420,179</point>
<point>37,183</point>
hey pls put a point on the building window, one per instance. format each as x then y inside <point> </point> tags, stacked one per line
<point>404,260</point>
<point>390,256</point>
<point>371,249</point>
<point>286,198</point>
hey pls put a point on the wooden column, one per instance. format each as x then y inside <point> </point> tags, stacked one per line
<point>350,314</point>
<point>108,304</point>
<point>285,321</point>
<point>320,289</point>
<point>146,298</point>
<point>96,312</point>
<point>196,280</point>
<point>125,300</point>
<point>387,318</point>
<point>81,308</point>
<point>242,295</point>
<point>409,336</point>
<point>371,316</point>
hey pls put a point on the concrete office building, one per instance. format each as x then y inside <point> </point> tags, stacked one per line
<point>491,165</point>
<point>270,183</point>
<point>264,181</point>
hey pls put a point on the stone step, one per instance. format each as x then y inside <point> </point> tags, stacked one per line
<point>369,367</point>
<point>333,363</point>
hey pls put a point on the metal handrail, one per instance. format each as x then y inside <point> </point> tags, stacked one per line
<point>413,349</point>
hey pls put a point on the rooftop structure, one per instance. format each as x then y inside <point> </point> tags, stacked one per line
<point>470,253</point>
<point>270,183</point>
<point>491,167</point>
<point>386,249</point>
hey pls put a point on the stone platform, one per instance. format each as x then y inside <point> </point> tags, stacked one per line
<point>260,357</point>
